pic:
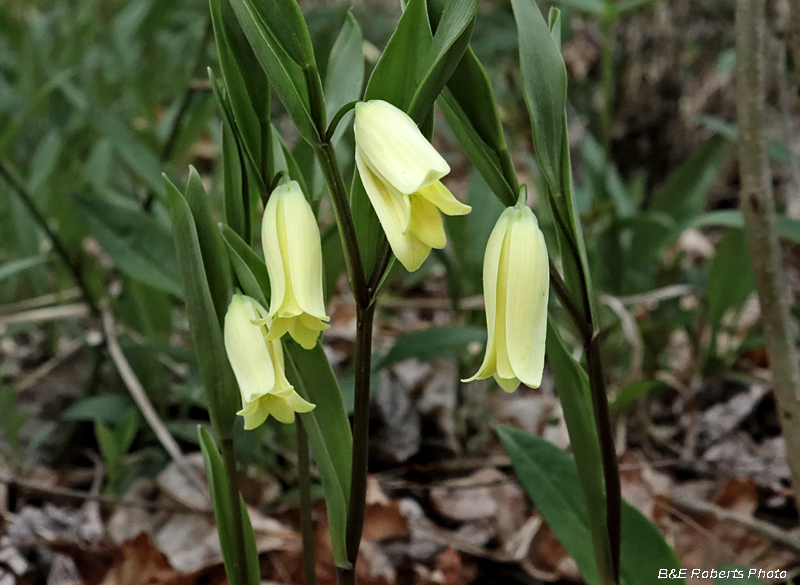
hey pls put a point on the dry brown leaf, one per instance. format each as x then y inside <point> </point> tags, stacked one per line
<point>141,563</point>
<point>383,519</point>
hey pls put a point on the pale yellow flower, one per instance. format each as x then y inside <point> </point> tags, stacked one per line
<point>293,255</point>
<point>258,366</point>
<point>516,281</point>
<point>400,171</point>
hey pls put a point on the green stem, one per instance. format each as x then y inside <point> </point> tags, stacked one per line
<point>602,419</point>
<point>358,483</point>
<point>344,219</point>
<point>345,576</point>
<point>239,567</point>
<point>58,245</point>
<point>306,521</point>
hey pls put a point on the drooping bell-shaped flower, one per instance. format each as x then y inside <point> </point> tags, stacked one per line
<point>258,366</point>
<point>516,281</point>
<point>293,254</point>
<point>400,171</point>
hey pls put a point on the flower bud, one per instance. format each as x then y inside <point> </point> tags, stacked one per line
<point>258,366</point>
<point>293,254</point>
<point>516,283</point>
<point>400,171</point>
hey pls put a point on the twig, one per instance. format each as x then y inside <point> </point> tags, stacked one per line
<point>69,294</point>
<point>658,295</point>
<point>43,370</point>
<point>47,314</point>
<point>778,536</point>
<point>143,402</point>
<point>632,333</point>
<point>40,488</point>
<point>758,208</point>
<point>58,245</point>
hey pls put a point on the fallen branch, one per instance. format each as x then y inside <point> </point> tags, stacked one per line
<point>143,402</point>
<point>778,536</point>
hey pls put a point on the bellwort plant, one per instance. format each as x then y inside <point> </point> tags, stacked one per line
<point>257,323</point>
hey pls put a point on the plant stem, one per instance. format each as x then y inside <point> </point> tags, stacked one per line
<point>344,219</point>
<point>591,347</point>
<point>602,421</point>
<point>239,567</point>
<point>758,208</point>
<point>58,245</point>
<point>306,521</point>
<point>358,483</point>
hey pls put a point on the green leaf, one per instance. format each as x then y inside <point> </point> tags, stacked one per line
<point>139,159</point>
<point>13,267</point>
<point>469,106</point>
<point>44,160</point>
<point>139,245</point>
<point>728,130</point>
<point>126,429</point>
<point>223,513</point>
<point>11,419</point>
<point>453,26</point>
<point>248,90</point>
<point>283,55</point>
<point>730,276</point>
<point>550,477</point>
<point>788,228</point>
<point>432,343</point>
<point>628,396</point>
<point>328,433</point>
<point>233,183</point>
<point>221,390</point>
<point>572,386</point>
<point>682,196</point>
<point>215,260</point>
<point>112,455</point>
<point>544,85</point>
<point>250,270</point>
<point>344,78</point>
<point>106,408</point>
<point>333,263</point>
<point>403,60</point>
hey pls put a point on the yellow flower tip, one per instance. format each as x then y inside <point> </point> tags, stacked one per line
<point>400,171</point>
<point>516,284</point>
<point>507,384</point>
<point>293,255</point>
<point>258,365</point>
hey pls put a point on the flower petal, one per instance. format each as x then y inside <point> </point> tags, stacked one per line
<point>272,255</point>
<point>442,198</point>
<point>526,298</point>
<point>491,264</point>
<point>302,251</point>
<point>394,212</point>
<point>395,147</point>
<point>504,369</point>
<point>246,349</point>
<point>507,384</point>
<point>426,223</point>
